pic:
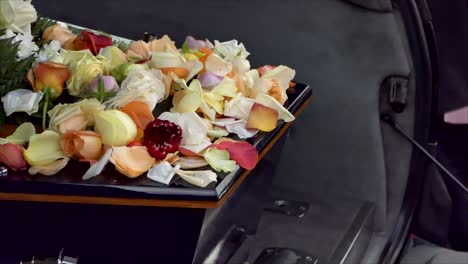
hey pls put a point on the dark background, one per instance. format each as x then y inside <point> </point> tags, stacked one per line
<point>269,38</point>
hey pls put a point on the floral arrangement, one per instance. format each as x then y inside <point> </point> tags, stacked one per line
<point>92,99</point>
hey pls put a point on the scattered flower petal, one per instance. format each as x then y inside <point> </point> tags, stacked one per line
<point>115,127</point>
<point>239,128</point>
<point>242,152</point>
<point>21,135</point>
<point>198,178</point>
<point>193,162</point>
<point>219,160</point>
<point>12,156</point>
<point>162,172</point>
<point>193,127</point>
<point>49,169</point>
<point>131,161</point>
<point>283,113</point>
<point>44,149</point>
<point>21,100</point>
<point>238,107</point>
<point>99,166</point>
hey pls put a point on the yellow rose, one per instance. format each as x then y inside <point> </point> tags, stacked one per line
<point>84,71</point>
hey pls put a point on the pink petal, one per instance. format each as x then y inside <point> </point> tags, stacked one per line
<point>264,69</point>
<point>12,156</point>
<point>241,151</point>
<point>187,152</point>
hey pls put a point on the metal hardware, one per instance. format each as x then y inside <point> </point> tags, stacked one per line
<point>398,92</point>
<point>58,260</point>
<point>227,247</point>
<point>289,208</point>
<point>284,256</point>
<point>3,171</point>
<point>147,37</point>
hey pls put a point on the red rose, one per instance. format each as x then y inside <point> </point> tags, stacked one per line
<point>94,42</point>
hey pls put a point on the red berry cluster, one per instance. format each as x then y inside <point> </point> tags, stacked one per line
<point>162,137</point>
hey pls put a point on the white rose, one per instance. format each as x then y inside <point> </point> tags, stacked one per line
<point>17,15</point>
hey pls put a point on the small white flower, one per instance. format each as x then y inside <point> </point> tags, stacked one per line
<point>49,51</point>
<point>26,47</point>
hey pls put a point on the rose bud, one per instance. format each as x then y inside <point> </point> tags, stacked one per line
<point>81,144</point>
<point>101,87</point>
<point>57,32</point>
<point>12,156</point>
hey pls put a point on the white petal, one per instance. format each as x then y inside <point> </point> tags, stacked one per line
<point>161,60</point>
<point>282,74</point>
<point>198,147</point>
<point>162,172</point>
<point>223,121</point>
<point>98,167</point>
<point>240,130</point>
<point>238,107</point>
<point>198,178</point>
<point>21,100</point>
<point>283,113</point>
<point>216,65</point>
<point>194,129</point>
<point>231,49</point>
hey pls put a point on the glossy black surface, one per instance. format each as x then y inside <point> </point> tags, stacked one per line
<point>112,184</point>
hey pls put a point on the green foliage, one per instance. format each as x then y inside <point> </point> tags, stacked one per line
<point>122,45</point>
<point>12,70</point>
<point>38,28</point>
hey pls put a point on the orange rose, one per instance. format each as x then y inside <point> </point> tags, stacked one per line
<point>48,75</point>
<point>81,144</point>
<point>49,78</point>
<point>57,32</point>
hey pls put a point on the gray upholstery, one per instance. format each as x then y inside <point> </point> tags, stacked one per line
<point>426,254</point>
<point>380,5</point>
<point>338,141</point>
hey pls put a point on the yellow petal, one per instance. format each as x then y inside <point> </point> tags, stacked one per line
<point>49,169</point>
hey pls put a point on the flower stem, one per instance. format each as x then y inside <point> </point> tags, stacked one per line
<point>44,109</point>
<point>101,94</point>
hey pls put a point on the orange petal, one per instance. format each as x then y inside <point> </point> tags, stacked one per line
<point>57,32</point>
<point>262,118</point>
<point>75,123</point>
<point>179,71</point>
<point>139,49</point>
<point>131,161</point>
<point>139,112</point>
<point>69,44</point>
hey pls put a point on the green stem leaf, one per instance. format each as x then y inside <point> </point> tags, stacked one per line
<point>45,107</point>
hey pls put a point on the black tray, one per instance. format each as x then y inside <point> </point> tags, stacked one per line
<point>112,184</point>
